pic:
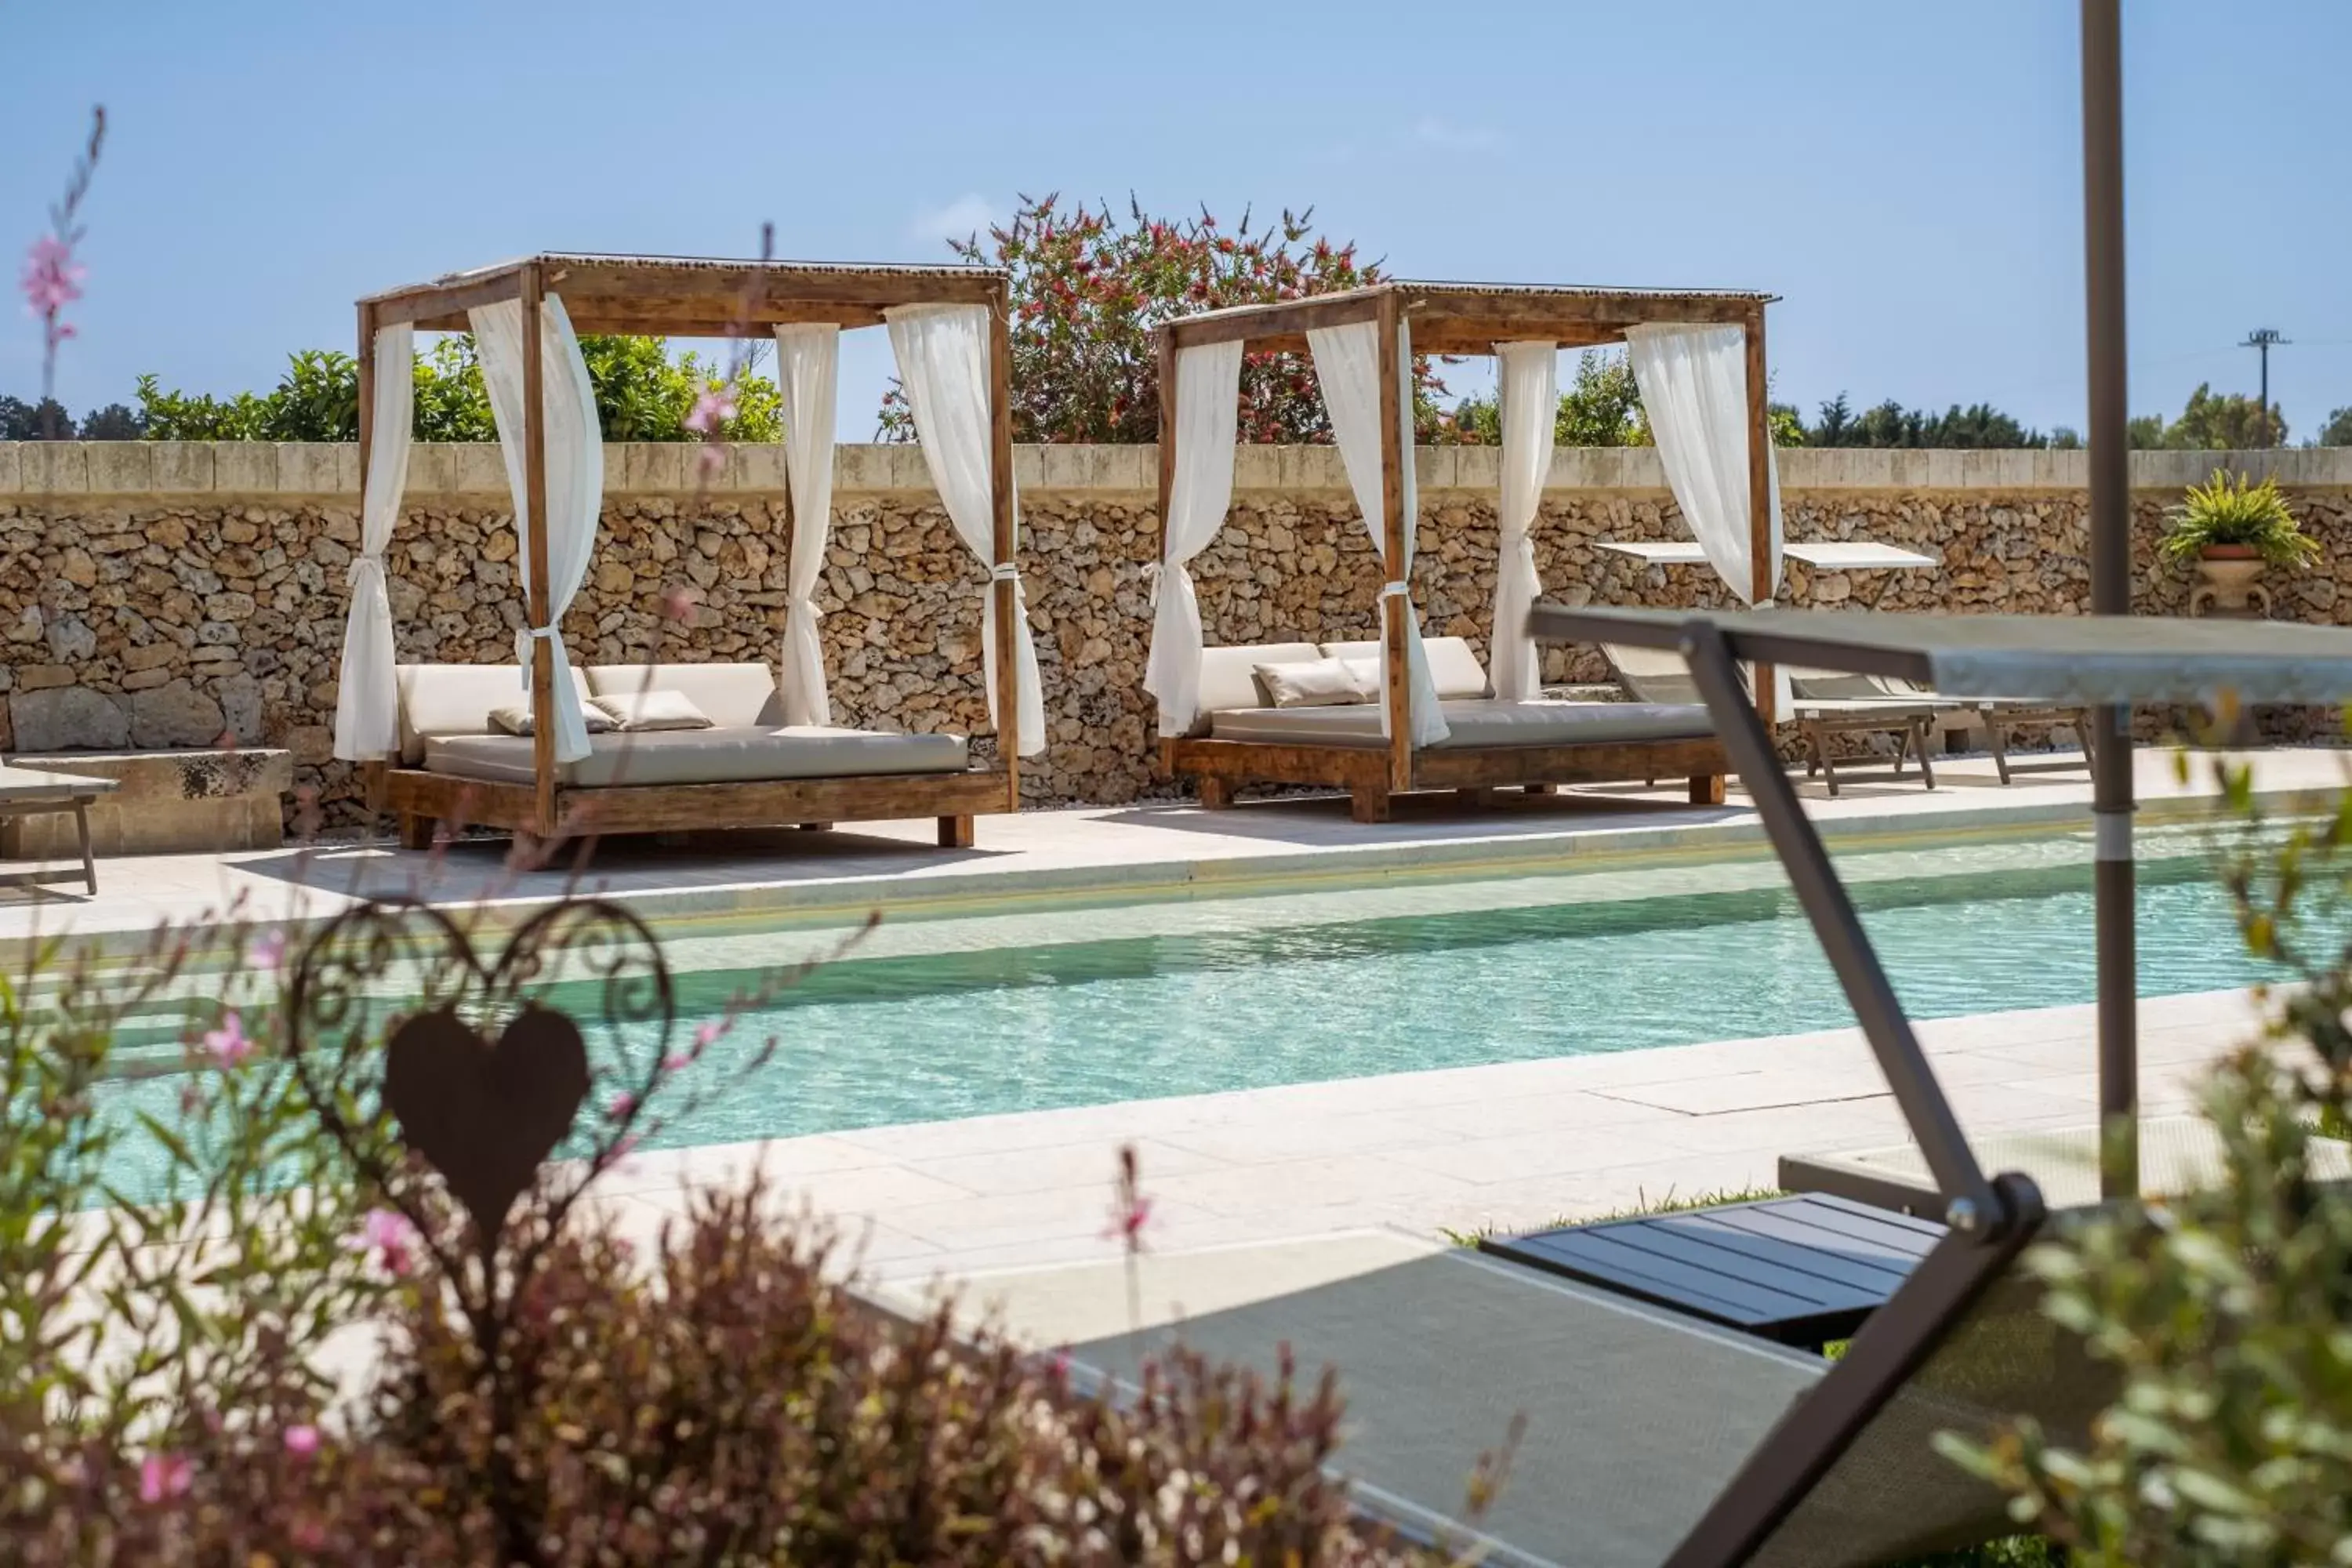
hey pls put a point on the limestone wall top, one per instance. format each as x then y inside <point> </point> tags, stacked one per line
<point>43,471</point>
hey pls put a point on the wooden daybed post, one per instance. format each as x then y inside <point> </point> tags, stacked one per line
<point>1759,502</point>
<point>372,771</point>
<point>956,832</point>
<point>535,609</point>
<point>1396,687</point>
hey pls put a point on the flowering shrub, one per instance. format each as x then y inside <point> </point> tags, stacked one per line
<point>2227,1310</point>
<point>52,279</point>
<point>1089,290</point>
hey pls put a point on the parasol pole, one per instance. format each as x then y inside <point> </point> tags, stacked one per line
<point>2111,575</point>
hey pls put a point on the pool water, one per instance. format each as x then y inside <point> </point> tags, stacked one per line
<point>915,1038</point>
<point>934,1020</point>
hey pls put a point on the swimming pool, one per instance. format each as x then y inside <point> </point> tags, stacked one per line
<point>1240,993</point>
<point>940,1019</point>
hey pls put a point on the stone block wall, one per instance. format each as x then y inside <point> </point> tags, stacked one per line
<point>162,594</point>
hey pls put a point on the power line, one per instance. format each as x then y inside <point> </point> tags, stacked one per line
<point>2262,340</point>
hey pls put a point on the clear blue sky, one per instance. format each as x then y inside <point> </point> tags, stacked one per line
<point>1907,176</point>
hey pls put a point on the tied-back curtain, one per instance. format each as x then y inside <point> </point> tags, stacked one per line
<point>1348,363</point>
<point>575,480</point>
<point>807,364</point>
<point>367,701</point>
<point>1530,395</point>
<point>942,353</point>
<point>1208,401</point>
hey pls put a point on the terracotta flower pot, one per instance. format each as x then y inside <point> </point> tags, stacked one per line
<point>2229,588</point>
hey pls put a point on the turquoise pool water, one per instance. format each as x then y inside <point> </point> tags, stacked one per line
<point>956,1018</point>
<point>909,1038</point>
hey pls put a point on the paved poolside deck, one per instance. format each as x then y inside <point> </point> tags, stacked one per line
<point>1142,852</point>
<point>1514,1145</point>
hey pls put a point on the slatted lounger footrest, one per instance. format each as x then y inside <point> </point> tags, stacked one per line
<point>1799,1270</point>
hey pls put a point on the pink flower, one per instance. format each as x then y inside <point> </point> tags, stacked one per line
<point>387,1234</point>
<point>51,281</point>
<point>673,1062</point>
<point>678,602</point>
<point>714,408</point>
<point>709,1032</point>
<point>267,952</point>
<point>302,1441</point>
<point>165,1476</point>
<point>227,1045</point>
<point>620,1106</point>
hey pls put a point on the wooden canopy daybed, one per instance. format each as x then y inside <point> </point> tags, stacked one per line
<point>1461,732</point>
<point>783,761</point>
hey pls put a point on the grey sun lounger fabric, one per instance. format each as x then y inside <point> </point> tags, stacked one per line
<point>1472,721</point>
<point>702,756</point>
<point>1637,1418</point>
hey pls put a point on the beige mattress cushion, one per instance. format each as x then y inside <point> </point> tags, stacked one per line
<point>438,699</point>
<point>735,696</point>
<point>1229,679</point>
<point>739,755</point>
<point>1483,722</point>
<point>1452,665</point>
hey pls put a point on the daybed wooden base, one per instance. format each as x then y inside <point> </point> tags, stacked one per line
<point>422,799</point>
<point>1220,767</point>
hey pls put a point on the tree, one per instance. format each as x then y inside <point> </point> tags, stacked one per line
<point>1089,288</point>
<point>115,422</point>
<point>2230,422</point>
<point>1601,408</point>
<point>22,421</point>
<point>2337,431</point>
<point>1978,425</point>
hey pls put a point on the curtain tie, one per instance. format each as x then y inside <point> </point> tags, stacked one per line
<point>1398,591</point>
<point>800,607</point>
<point>1004,571</point>
<point>1152,570</point>
<point>524,636</point>
<point>361,568</point>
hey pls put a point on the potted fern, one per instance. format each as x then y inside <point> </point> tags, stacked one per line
<point>2232,529</point>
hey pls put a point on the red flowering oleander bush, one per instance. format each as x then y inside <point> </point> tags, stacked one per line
<point>1089,290</point>
<point>724,1401</point>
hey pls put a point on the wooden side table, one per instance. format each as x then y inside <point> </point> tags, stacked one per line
<point>25,792</point>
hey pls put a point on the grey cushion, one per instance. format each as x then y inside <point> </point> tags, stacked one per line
<point>1483,721</point>
<point>1228,677</point>
<point>733,695</point>
<point>1452,666</point>
<point>738,755</point>
<point>438,699</point>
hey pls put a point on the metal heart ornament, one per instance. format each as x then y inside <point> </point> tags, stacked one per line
<point>486,1113</point>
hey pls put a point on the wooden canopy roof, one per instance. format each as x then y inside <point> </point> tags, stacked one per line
<point>1472,318</point>
<point>695,297</point>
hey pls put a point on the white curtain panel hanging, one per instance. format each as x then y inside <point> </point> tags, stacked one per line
<point>942,353</point>
<point>1348,364</point>
<point>575,480</point>
<point>1208,402</point>
<point>367,701</point>
<point>1693,384</point>
<point>808,360</point>
<point>1529,383</point>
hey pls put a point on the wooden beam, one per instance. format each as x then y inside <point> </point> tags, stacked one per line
<point>1005,551</point>
<point>720,290</point>
<point>438,301</point>
<point>1395,614</point>
<point>1168,374</point>
<point>534,459</point>
<point>370,769</point>
<point>1759,492</point>
<point>1286,319</point>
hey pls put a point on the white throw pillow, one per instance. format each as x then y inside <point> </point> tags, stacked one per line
<point>516,720</point>
<point>635,711</point>
<point>1310,683</point>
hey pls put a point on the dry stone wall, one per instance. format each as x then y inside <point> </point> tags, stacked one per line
<point>158,594</point>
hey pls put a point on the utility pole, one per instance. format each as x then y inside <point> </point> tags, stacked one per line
<point>2262,340</point>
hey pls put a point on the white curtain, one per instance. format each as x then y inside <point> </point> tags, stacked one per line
<point>1694,385</point>
<point>942,353</point>
<point>1208,397</point>
<point>367,702</point>
<point>1530,381</point>
<point>807,361</point>
<point>575,480</point>
<point>1348,363</point>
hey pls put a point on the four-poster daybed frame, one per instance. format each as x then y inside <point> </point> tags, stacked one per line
<point>1463,318</point>
<point>680,297</point>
